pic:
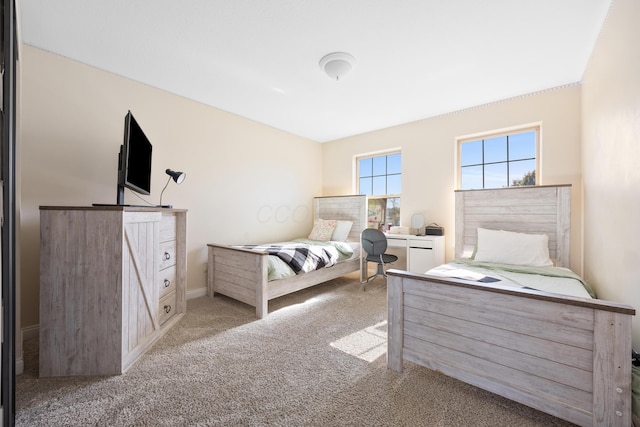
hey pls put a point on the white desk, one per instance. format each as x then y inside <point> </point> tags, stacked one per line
<point>423,252</point>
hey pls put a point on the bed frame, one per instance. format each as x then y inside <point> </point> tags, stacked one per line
<point>566,356</point>
<point>242,273</point>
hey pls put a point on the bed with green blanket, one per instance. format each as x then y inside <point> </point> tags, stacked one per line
<point>509,316</point>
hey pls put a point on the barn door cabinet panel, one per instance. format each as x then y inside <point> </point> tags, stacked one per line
<point>112,282</point>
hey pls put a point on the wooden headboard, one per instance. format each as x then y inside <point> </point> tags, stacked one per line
<point>347,208</point>
<point>536,210</point>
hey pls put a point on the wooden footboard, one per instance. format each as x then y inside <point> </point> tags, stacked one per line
<point>565,356</point>
<point>240,274</point>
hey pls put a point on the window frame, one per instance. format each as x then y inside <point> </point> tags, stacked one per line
<point>357,158</point>
<point>536,127</point>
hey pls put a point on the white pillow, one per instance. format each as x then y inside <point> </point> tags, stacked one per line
<point>342,230</point>
<point>507,247</point>
<point>322,229</point>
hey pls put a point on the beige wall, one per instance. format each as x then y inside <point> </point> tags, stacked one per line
<point>611,160</point>
<point>244,180</point>
<point>429,149</point>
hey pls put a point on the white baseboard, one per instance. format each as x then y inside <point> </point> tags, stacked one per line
<point>26,333</point>
<point>197,293</point>
<point>19,365</point>
<point>30,332</point>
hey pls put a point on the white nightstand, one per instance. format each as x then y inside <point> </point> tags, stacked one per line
<point>423,252</point>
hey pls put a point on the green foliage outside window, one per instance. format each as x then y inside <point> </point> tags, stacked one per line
<point>529,178</point>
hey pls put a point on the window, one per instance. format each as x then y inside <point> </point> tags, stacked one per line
<point>380,178</point>
<point>499,160</point>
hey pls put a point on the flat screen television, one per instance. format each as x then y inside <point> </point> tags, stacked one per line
<point>134,162</point>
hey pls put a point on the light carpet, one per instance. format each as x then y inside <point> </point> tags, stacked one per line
<point>318,359</point>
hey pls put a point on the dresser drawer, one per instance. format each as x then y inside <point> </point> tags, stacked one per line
<point>168,228</point>
<point>167,254</point>
<point>167,280</point>
<point>416,243</point>
<point>167,307</point>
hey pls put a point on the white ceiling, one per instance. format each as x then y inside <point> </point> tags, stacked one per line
<point>259,58</point>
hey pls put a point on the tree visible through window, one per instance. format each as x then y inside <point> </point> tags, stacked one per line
<point>380,178</point>
<point>498,161</point>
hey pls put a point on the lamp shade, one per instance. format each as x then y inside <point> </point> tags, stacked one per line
<point>178,177</point>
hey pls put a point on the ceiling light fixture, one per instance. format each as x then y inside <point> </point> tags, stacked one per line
<point>337,65</point>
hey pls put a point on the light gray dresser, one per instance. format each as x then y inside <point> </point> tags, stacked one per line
<point>112,282</point>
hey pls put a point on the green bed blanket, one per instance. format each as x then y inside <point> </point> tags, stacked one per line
<point>542,271</point>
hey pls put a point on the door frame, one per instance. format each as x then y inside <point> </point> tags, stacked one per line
<point>8,220</point>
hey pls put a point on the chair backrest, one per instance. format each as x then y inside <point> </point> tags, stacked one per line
<point>374,242</point>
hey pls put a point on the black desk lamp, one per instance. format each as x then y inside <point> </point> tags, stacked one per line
<point>178,177</point>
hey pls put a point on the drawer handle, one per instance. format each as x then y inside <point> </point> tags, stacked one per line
<point>167,283</point>
<point>167,308</point>
<point>166,256</point>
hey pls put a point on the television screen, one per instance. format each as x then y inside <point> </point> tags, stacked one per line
<point>135,161</point>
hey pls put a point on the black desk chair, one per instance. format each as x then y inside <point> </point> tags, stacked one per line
<point>374,243</point>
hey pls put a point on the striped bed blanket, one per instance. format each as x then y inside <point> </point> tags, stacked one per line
<point>301,257</point>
